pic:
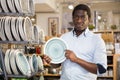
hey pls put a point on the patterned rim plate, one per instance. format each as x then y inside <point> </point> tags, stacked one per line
<point>55,49</point>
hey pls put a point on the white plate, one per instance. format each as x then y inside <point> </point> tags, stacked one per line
<point>40,63</point>
<point>22,63</point>
<point>32,7</point>
<point>7,62</point>
<point>28,28</point>
<point>11,6</point>
<point>21,28</point>
<point>36,33</point>
<point>13,62</point>
<point>41,35</point>
<point>14,29</point>
<point>18,6</point>
<point>34,63</point>
<point>55,49</point>
<point>2,34</point>
<point>4,6</point>
<point>7,29</point>
<point>25,6</point>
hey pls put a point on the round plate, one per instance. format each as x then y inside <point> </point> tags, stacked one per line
<point>22,63</point>
<point>7,61</point>
<point>41,35</point>
<point>2,34</point>
<point>40,63</point>
<point>7,29</point>
<point>28,28</point>
<point>13,62</point>
<point>14,29</point>
<point>18,6</point>
<point>34,63</point>
<point>11,6</point>
<point>36,34</point>
<point>55,49</point>
<point>4,6</point>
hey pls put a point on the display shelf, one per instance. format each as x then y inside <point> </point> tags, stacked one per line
<point>22,76</point>
<point>16,14</point>
<point>14,42</point>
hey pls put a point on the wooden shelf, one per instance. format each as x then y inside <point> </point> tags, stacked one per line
<point>51,75</point>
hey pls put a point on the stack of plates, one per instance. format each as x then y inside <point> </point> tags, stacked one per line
<point>16,62</point>
<point>16,6</point>
<point>55,49</point>
<point>16,29</point>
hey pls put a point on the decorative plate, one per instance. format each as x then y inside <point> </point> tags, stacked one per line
<point>55,49</point>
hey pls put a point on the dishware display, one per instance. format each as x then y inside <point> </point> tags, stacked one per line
<point>55,49</point>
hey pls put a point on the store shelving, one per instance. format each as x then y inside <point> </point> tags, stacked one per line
<point>110,36</point>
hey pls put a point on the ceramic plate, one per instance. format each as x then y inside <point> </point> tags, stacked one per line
<point>34,63</point>
<point>28,28</point>
<point>40,63</point>
<point>7,29</point>
<point>4,6</point>
<point>41,35</point>
<point>18,6</point>
<point>55,49</point>
<point>36,33</point>
<point>25,5</point>
<point>22,63</point>
<point>14,29</point>
<point>13,62</point>
<point>11,6</point>
<point>32,7</point>
<point>2,34</point>
<point>21,28</point>
<point>7,61</point>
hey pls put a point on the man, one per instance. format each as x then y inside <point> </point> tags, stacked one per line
<point>86,54</point>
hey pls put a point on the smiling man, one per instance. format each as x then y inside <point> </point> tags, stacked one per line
<point>86,54</point>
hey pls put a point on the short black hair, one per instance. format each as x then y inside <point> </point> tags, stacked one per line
<point>82,7</point>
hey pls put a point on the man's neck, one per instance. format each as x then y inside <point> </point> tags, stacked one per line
<point>78,32</point>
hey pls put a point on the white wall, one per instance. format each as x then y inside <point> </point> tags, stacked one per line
<point>42,21</point>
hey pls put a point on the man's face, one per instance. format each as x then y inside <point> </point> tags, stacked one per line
<point>80,20</point>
